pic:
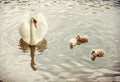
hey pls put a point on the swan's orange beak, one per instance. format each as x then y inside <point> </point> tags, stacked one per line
<point>35,24</point>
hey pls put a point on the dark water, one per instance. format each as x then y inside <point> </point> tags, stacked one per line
<point>99,20</point>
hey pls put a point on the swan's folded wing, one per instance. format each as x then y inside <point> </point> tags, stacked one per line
<point>41,31</point>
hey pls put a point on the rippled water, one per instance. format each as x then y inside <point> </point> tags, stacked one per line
<point>100,21</point>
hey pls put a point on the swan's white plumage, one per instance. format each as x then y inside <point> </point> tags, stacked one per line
<point>38,33</point>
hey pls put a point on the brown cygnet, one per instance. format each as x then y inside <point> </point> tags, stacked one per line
<point>77,41</point>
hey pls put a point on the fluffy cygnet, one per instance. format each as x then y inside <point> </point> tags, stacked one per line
<point>97,53</point>
<point>77,41</point>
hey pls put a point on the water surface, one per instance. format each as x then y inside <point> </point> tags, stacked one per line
<point>65,19</point>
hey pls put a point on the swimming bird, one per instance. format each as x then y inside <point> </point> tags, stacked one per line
<point>97,53</point>
<point>77,41</point>
<point>33,29</point>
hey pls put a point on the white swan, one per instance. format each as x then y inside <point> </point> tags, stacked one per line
<point>33,28</point>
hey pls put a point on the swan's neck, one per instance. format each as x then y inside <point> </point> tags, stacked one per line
<point>31,33</point>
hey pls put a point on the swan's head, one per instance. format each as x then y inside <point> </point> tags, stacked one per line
<point>34,21</point>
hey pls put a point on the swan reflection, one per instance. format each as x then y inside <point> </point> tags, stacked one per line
<point>41,46</point>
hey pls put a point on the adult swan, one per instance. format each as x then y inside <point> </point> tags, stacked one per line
<point>33,29</point>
